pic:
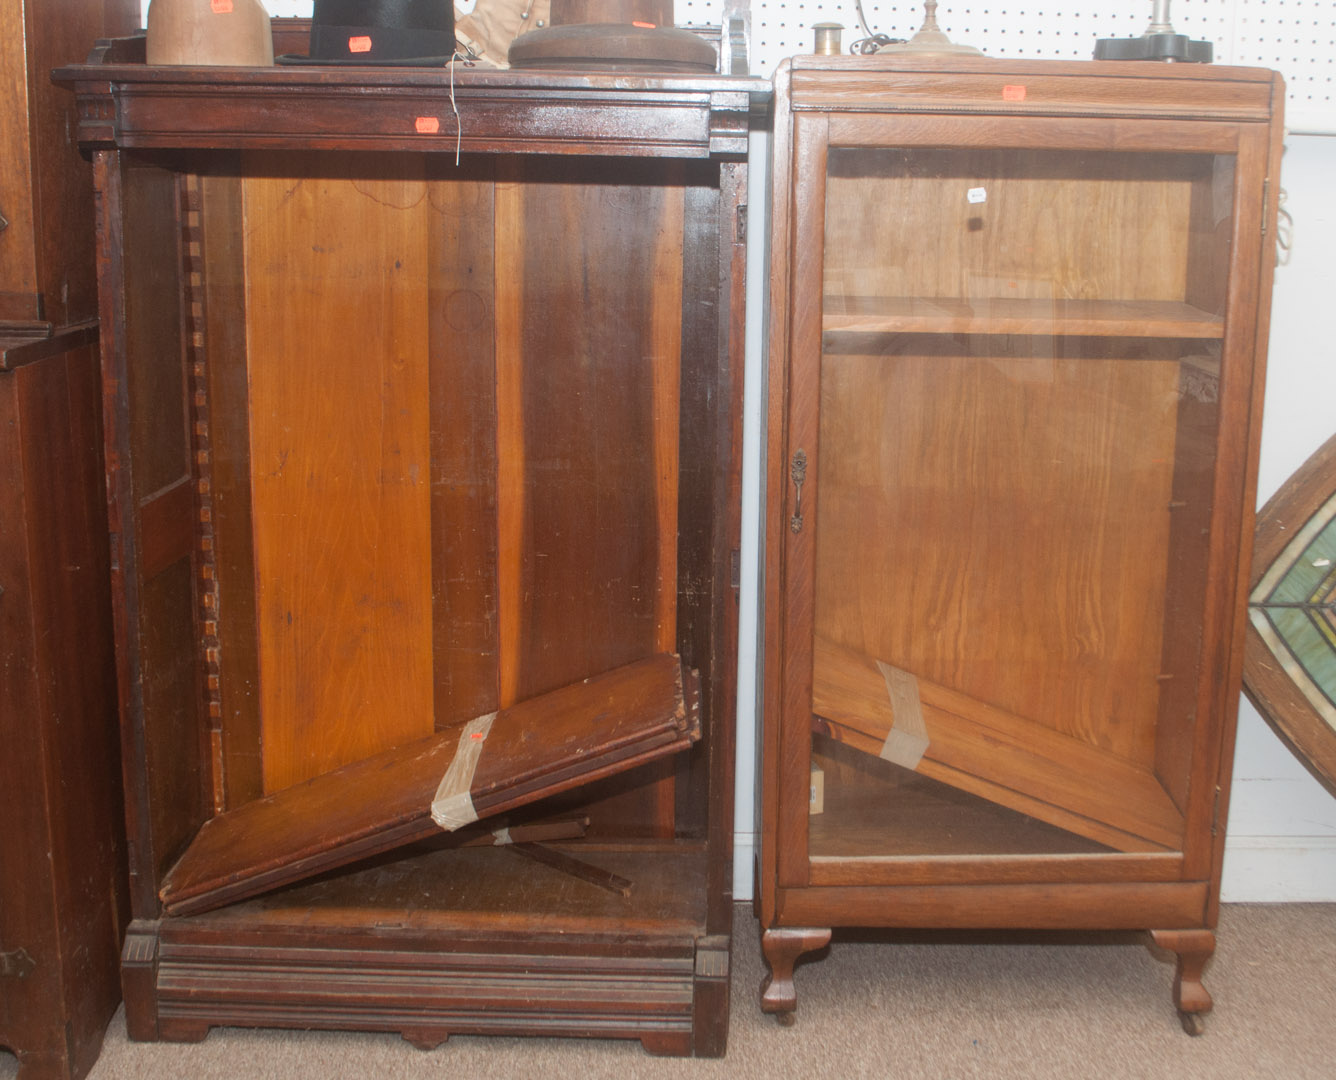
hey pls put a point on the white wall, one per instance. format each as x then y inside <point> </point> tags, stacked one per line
<point>1281,843</point>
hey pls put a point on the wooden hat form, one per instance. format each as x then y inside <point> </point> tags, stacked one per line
<point>628,35</point>
<point>209,32</point>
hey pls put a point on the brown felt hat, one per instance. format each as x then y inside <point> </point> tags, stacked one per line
<point>227,32</point>
<point>629,35</point>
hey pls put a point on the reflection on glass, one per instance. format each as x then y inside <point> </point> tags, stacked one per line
<point>1019,385</point>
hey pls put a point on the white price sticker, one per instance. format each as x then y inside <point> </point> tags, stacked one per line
<point>977,195</point>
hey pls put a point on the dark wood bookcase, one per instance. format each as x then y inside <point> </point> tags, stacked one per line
<point>63,903</point>
<point>1019,320</point>
<point>421,405</point>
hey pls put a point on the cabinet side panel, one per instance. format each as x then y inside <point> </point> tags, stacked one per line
<point>1185,595</point>
<point>336,268</point>
<point>1211,224</point>
<point>159,426</point>
<point>26,897</point>
<point>462,312</point>
<point>703,474</point>
<point>151,431</point>
<point>84,853</point>
<point>173,728</point>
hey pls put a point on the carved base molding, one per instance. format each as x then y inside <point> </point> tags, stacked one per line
<point>181,979</point>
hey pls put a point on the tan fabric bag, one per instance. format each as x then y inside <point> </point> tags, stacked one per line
<point>492,25</point>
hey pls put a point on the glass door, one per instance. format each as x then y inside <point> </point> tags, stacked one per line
<point>1003,492</point>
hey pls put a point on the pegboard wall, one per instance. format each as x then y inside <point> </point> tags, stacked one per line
<point>1295,37</point>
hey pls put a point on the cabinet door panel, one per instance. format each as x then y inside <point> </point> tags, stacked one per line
<point>1002,446</point>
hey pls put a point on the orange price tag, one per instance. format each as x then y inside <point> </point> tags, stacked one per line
<point>1013,93</point>
<point>359,44</point>
<point>427,125</point>
<point>221,7</point>
<point>645,25</point>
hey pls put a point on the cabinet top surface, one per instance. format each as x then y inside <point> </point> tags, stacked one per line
<point>465,79</point>
<point>891,83</point>
<point>988,65</point>
<point>133,105</point>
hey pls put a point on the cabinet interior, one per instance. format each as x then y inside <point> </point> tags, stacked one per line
<point>1021,353</point>
<point>423,482</point>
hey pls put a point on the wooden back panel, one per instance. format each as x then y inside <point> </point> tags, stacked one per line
<point>1050,224</point>
<point>587,414</point>
<point>336,270</point>
<point>930,504</point>
<point>486,510</point>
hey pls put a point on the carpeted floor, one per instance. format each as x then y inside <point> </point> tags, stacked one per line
<point>882,1007</point>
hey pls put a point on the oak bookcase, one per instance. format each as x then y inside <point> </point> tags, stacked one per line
<point>1018,323</point>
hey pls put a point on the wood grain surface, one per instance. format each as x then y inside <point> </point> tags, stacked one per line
<point>340,463</point>
<point>1010,541</point>
<point>540,747</point>
<point>999,756</point>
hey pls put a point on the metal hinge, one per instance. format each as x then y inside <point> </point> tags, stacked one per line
<point>16,964</point>
<point>1215,812</point>
<point>742,224</point>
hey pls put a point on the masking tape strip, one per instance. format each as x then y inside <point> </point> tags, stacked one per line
<point>907,740</point>
<point>453,805</point>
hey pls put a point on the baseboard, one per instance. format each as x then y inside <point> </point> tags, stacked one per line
<point>744,865</point>
<point>1279,869</point>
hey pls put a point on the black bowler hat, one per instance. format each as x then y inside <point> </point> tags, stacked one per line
<point>391,32</point>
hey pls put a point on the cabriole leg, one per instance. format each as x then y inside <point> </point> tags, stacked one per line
<point>782,948</point>
<point>1193,949</point>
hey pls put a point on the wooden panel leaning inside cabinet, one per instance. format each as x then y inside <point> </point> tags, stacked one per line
<point>1016,373</point>
<point>423,476</point>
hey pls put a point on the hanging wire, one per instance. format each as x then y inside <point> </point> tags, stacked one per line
<point>459,124</point>
<point>870,42</point>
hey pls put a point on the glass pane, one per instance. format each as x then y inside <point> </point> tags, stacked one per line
<point>1019,386</point>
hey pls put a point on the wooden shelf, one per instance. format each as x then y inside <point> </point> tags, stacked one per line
<point>1007,759</point>
<point>548,744</point>
<point>874,809</point>
<point>427,887</point>
<point>999,315</point>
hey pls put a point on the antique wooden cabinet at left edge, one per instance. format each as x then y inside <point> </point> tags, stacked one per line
<point>412,420</point>
<point>63,903</point>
